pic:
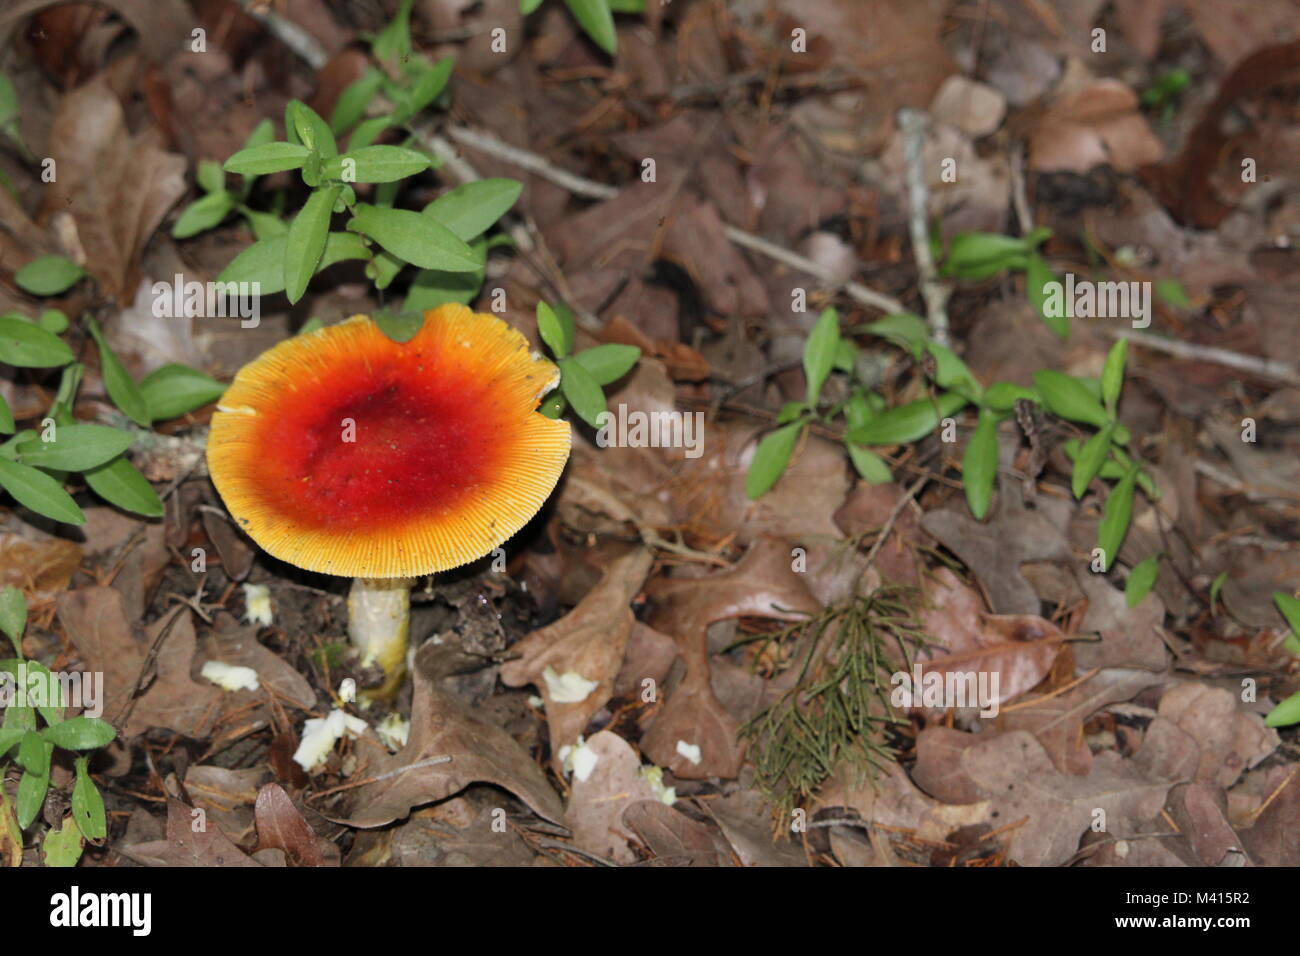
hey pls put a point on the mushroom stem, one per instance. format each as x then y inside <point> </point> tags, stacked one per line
<point>379,617</point>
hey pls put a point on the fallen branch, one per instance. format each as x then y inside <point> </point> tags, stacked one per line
<point>1265,368</point>
<point>913,124</point>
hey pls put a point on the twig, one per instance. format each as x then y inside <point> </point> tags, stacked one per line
<point>854,290</point>
<point>1019,196</point>
<point>1265,368</point>
<point>888,526</point>
<point>913,124</point>
<point>433,761</point>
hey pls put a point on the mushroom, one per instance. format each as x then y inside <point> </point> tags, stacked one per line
<point>344,452</point>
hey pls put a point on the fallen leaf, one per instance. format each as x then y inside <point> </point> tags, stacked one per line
<point>189,842</point>
<point>588,641</point>
<point>441,726</point>
<point>596,805</point>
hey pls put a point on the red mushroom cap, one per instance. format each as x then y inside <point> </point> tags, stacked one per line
<point>344,452</point>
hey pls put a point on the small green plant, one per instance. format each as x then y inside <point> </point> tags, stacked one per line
<point>583,375</point>
<point>1163,95</point>
<point>445,240</point>
<point>36,745</point>
<point>1288,712</point>
<point>596,17</point>
<point>870,423</point>
<point>36,463</point>
<point>977,256</point>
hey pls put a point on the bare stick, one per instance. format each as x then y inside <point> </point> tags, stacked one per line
<point>913,124</point>
<point>1265,368</point>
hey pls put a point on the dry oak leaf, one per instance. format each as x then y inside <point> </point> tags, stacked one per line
<point>1225,740</point>
<point>588,641</point>
<point>1015,773</point>
<point>1016,649</point>
<point>596,805</point>
<point>995,549</point>
<point>281,826</point>
<point>1058,721</point>
<point>761,584</point>
<point>443,726</point>
<point>187,846</point>
<point>95,621</point>
<point>115,187</point>
<point>1097,124</point>
<point>673,838</point>
<point>1130,636</point>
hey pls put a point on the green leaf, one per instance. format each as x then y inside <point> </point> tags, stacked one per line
<point>790,411</point>
<point>375,164</point>
<point>10,736</point>
<point>1216,586</point>
<point>1290,608</point>
<point>528,6</point>
<point>1115,517</point>
<point>399,328</point>
<point>608,363</point>
<point>430,83</point>
<point>554,406</point>
<point>88,804</point>
<point>770,459</point>
<point>951,372</point>
<point>582,391</point>
<point>1092,456</point>
<point>8,101</point>
<point>819,352</point>
<point>394,41</point>
<point>48,275</point>
<point>34,753</point>
<point>121,484</point>
<point>907,423</point>
<point>7,423</point>
<point>1002,396</point>
<point>121,387</point>
<point>265,225</point>
<point>13,618</point>
<point>905,330</point>
<point>1171,292</point>
<point>553,332</point>
<point>27,345</point>
<point>62,847</point>
<point>469,210</point>
<point>305,240</point>
<point>267,158</point>
<point>210,177</point>
<point>872,468</point>
<point>304,125</point>
<point>980,465</point>
<point>1037,276</point>
<point>54,321</point>
<point>204,213</point>
<point>352,102</point>
<point>1112,376</point>
<point>263,133</point>
<point>38,491</point>
<point>1141,580</point>
<point>597,21</point>
<point>262,262</point>
<point>431,288</point>
<point>1286,713</point>
<point>76,447</point>
<point>981,255</point>
<point>175,390</point>
<point>1069,398</point>
<point>31,797</point>
<point>414,238</point>
<point>368,131</point>
<point>80,733</point>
